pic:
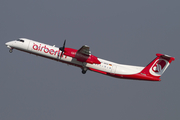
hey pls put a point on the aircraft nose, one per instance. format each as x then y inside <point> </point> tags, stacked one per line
<point>9,44</point>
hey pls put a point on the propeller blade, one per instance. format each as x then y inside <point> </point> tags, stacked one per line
<point>62,48</point>
<point>64,43</point>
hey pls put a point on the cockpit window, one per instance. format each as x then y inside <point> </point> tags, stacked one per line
<point>20,40</point>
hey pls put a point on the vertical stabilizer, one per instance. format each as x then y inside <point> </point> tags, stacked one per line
<point>157,67</point>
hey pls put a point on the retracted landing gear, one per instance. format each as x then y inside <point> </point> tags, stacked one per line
<point>84,70</point>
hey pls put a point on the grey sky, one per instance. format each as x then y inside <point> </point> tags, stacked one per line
<point>128,32</point>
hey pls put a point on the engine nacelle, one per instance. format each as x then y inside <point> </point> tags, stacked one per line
<point>81,57</point>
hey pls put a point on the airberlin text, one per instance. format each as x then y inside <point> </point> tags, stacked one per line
<point>46,49</point>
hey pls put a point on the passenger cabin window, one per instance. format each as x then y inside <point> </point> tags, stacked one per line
<point>20,40</point>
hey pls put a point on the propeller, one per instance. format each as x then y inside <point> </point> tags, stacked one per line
<point>62,48</point>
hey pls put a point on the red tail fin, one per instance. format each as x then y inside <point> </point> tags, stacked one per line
<point>157,67</point>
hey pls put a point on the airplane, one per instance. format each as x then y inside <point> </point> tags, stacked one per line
<point>86,61</point>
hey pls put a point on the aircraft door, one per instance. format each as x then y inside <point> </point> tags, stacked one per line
<point>30,46</point>
<point>114,67</point>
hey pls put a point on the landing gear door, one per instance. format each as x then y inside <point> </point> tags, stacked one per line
<point>114,67</point>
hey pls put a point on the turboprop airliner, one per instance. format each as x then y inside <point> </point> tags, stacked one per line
<point>83,59</point>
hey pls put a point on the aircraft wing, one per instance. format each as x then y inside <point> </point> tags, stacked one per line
<point>84,55</point>
<point>84,50</point>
